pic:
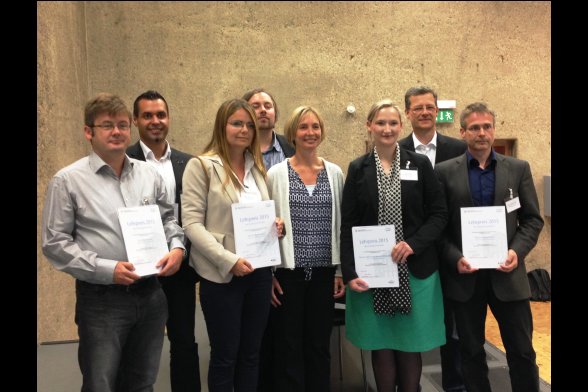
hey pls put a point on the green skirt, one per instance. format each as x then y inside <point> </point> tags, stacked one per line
<point>421,330</point>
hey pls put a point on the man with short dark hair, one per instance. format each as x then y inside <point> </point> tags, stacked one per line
<point>151,117</point>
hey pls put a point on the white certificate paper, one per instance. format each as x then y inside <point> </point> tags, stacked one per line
<point>256,239</point>
<point>144,237</point>
<point>372,248</point>
<point>483,236</point>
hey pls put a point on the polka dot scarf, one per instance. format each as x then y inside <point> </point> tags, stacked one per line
<point>389,300</point>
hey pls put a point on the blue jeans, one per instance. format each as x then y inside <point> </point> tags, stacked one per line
<point>236,315</point>
<point>121,335</point>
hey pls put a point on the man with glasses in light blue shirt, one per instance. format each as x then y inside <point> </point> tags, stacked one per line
<point>120,315</point>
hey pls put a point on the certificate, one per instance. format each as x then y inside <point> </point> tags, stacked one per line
<point>144,237</point>
<point>483,236</point>
<point>256,239</point>
<point>372,248</point>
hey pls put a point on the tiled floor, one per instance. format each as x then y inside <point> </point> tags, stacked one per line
<point>57,368</point>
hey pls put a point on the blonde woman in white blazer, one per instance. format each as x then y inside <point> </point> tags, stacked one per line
<point>307,191</point>
<point>235,297</point>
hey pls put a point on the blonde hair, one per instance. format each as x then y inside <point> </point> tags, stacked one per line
<point>218,144</point>
<point>294,120</point>
<point>384,103</point>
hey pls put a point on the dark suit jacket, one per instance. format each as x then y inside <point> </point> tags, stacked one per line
<point>286,147</point>
<point>424,212</point>
<point>447,147</point>
<point>522,225</point>
<point>179,160</point>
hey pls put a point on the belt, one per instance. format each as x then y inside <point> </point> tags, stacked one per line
<point>143,284</point>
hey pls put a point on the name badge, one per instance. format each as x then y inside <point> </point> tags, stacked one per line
<point>513,204</point>
<point>409,175</point>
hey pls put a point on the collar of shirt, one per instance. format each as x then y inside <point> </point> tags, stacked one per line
<point>274,153</point>
<point>149,153</point>
<point>473,162</point>
<point>96,164</point>
<point>275,143</point>
<point>429,150</point>
<point>250,191</point>
<point>417,142</point>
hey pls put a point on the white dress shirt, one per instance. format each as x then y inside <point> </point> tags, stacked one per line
<point>430,150</point>
<point>163,167</point>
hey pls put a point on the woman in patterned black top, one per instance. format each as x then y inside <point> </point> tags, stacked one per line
<point>307,191</point>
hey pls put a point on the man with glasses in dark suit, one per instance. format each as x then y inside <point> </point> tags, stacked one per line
<point>420,105</point>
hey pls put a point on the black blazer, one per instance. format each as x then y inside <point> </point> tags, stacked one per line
<point>522,226</point>
<point>286,147</point>
<point>424,212</point>
<point>447,147</point>
<point>179,160</point>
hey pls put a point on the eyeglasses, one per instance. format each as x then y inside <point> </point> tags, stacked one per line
<point>110,126</point>
<point>420,109</point>
<point>239,124</point>
<point>476,128</point>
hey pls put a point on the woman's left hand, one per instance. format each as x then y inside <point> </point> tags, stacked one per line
<point>339,287</point>
<point>401,251</point>
<point>280,227</point>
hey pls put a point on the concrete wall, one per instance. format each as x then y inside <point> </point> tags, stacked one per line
<point>198,54</point>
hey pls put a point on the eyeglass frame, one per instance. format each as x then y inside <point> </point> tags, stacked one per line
<point>476,128</point>
<point>421,109</point>
<point>110,127</point>
<point>250,125</point>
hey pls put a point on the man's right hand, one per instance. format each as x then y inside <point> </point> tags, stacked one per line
<point>123,273</point>
<point>463,267</point>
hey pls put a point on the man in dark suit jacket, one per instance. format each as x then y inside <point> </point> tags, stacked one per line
<point>481,177</point>
<point>151,117</point>
<point>420,106</point>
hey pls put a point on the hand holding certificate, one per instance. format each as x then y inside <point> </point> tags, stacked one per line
<point>372,248</point>
<point>483,236</point>
<point>144,237</point>
<point>256,239</point>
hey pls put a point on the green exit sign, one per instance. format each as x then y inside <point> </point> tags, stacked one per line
<point>445,116</point>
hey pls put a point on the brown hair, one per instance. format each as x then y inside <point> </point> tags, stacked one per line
<point>218,143</point>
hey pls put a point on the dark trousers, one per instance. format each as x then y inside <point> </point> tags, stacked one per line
<point>236,314</point>
<point>515,322</point>
<point>180,291</point>
<point>302,329</point>
<point>451,376</point>
<point>121,335</point>
<point>266,360</point>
